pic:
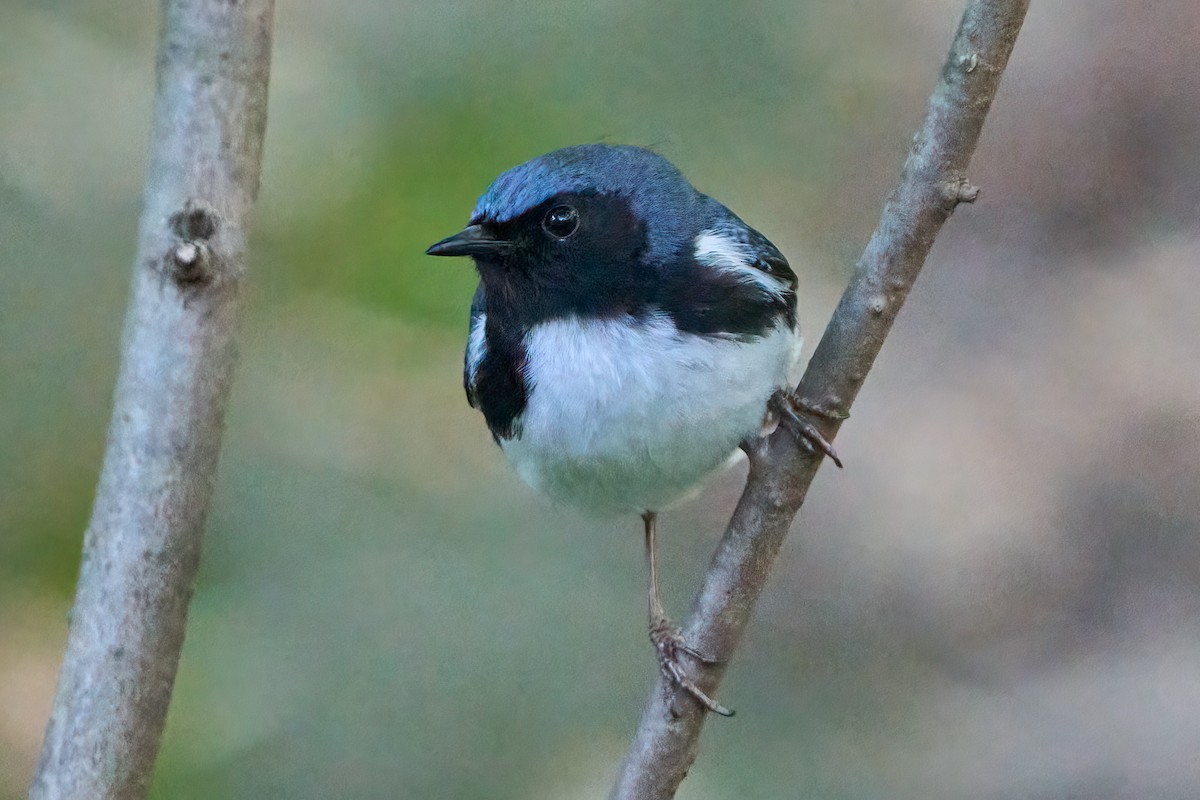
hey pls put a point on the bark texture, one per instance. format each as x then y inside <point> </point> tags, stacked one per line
<point>932,183</point>
<point>142,546</point>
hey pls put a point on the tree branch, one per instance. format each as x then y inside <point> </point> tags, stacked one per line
<point>932,183</point>
<point>142,546</point>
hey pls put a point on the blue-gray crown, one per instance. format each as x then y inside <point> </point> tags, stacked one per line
<point>672,210</point>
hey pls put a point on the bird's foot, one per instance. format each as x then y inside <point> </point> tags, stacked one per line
<point>668,645</point>
<point>795,414</point>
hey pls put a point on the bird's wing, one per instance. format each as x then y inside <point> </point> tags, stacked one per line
<point>732,281</point>
<point>769,260</point>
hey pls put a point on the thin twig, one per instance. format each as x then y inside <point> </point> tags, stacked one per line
<point>142,547</point>
<point>932,183</point>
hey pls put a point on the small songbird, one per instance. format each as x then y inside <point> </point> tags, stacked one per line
<point>628,334</point>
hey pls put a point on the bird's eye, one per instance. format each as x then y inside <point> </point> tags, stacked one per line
<point>561,221</point>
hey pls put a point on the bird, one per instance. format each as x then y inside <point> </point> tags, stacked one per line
<point>628,335</point>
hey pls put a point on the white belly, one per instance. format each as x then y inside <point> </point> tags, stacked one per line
<point>623,418</point>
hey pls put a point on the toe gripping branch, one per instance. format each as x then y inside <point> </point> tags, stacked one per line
<point>668,645</point>
<point>796,415</point>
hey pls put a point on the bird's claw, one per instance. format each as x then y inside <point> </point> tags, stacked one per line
<point>794,414</point>
<point>668,644</point>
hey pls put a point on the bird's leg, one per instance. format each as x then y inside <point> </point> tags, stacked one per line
<point>668,641</point>
<point>795,415</point>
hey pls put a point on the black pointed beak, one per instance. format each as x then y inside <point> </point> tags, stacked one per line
<point>470,241</point>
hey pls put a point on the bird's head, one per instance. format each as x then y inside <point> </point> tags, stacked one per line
<point>582,229</point>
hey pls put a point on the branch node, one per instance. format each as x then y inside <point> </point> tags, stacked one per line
<point>196,220</point>
<point>189,261</point>
<point>958,191</point>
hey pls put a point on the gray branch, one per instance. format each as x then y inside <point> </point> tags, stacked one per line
<point>932,183</point>
<point>142,546</point>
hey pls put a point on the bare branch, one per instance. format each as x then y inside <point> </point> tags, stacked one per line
<point>932,183</point>
<point>142,547</point>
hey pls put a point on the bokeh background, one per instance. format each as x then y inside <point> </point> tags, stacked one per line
<point>998,598</point>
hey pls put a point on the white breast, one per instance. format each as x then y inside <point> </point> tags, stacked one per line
<point>630,416</point>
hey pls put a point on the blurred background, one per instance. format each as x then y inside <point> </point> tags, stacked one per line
<point>998,598</point>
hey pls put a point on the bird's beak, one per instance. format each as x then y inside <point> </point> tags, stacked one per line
<point>470,241</point>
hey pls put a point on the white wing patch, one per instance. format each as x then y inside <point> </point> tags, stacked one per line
<point>476,346</point>
<point>720,250</point>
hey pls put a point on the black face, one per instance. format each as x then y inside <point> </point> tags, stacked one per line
<point>577,253</point>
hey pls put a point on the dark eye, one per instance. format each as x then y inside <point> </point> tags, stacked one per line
<point>561,221</point>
